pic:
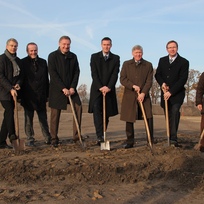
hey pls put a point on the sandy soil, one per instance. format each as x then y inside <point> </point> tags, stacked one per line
<point>75,175</point>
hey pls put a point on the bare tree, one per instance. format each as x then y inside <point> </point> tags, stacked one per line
<point>82,91</point>
<point>155,90</point>
<point>191,84</point>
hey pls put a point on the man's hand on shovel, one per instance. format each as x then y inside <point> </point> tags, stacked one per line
<point>104,90</point>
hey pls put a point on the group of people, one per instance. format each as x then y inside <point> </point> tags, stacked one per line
<point>36,82</point>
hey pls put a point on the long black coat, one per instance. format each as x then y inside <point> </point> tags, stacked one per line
<point>64,73</point>
<point>175,76</point>
<point>104,73</point>
<point>7,81</point>
<point>35,84</point>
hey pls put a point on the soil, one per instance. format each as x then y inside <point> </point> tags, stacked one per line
<point>76,175</point>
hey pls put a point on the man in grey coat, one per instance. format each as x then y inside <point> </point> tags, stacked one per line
<point>104,71</point>
<point>64,72</point>
<point>136,76</point>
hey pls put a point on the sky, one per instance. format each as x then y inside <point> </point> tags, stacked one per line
<point>149,23</point>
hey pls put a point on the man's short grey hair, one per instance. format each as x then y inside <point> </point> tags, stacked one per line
<point>11,39</point>
<point>137,47</point>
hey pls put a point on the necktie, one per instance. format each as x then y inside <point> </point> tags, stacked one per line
<point>106,57</point>
<point>137,63</point>
<point>170,60</point>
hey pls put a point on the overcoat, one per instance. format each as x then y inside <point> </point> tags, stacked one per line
<point>200,92</point>
<point>35,85</point>
<point>7,81</point>
<point>140,75</point>
<point>175,76</point>
<point>64,73</point>
<point>104,73</point>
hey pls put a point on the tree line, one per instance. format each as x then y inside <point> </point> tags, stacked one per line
<point>190,86</point>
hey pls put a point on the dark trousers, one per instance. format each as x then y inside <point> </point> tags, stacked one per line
<point>98,117</point>
<point>8,125</point>
<point>55,118</point>
<point>130,131</point>
<point>42,117</point>
<point>174,118</point>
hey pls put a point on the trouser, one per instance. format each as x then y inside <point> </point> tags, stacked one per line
<point>130,131</point>
<point>174,118</point>
<point>55,118</point>
<point>42,117</point>
<point>8,125</point>
<point>98,117</point>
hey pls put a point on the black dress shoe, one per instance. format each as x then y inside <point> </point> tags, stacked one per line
<point>31,144</point>
<point>5,146</point>
<point>100,140</point>
<point>128,146</point>
<point>55,144</point>
<point>12,137</point>
<point>48,142</point>
<point>175,143</point>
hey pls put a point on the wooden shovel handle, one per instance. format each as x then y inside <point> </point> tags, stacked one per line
<point>75,119</point>
<point>146,124</point>
<point>16,116</point>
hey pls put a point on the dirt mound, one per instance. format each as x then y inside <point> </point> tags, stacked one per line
<point>83,176</point>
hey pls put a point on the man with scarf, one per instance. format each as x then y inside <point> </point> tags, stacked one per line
<point>35,90</point>
<point>10,82</point>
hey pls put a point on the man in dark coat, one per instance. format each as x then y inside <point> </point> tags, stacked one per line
<point>104,71</point>
<point>200,105</point>
<point>136,76</point>
<point>171,75</point>
<point>64,72</point>
<point>10,83</point>
<point>35,93</point>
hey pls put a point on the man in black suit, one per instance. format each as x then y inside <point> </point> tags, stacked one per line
<point>35,90</point>
<point>171,75</point>
<point>104,71</point>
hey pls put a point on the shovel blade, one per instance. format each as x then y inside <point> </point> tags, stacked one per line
<point>105,145</point>
<point>18,145</point>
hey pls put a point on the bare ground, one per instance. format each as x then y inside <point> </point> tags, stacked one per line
<point>75,175</point>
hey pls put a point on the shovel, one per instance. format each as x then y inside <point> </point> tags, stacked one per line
<point>167,121</point>
<point>200,145</point>
<point>76,121</point>
<point>18,144</point>
<point>146,124</point>
<point>106,144</point>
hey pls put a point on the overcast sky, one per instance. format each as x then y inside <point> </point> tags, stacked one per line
<point>149,23</point>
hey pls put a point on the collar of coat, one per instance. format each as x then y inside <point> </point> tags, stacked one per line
<point>67,55</point>
<point>109,55</point>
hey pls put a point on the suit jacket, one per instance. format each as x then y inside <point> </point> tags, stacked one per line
<point>64,73</point>
<point>104,73</point>
<point>35,85</point>
<point>7,81</point>
<point>140,75</point>
<point>175,76</point>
